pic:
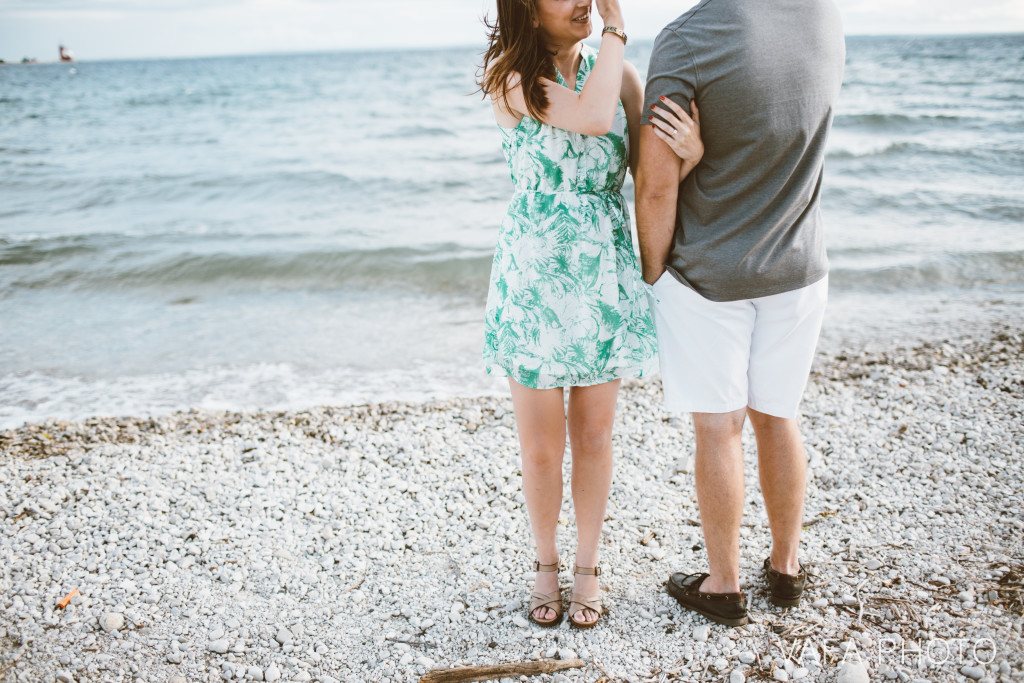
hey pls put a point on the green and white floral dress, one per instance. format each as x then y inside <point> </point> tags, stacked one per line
<point>566,304</point>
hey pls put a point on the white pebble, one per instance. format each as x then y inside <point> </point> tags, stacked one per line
<point>272,674</point>
<point>112,621</point>
<point>853,672</point>
<point>218,646</point>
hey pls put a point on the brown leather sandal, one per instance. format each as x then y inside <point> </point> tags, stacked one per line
<point>552,601</point>
<point>578,602</point>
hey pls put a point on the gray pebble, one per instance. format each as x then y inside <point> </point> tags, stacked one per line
<point>973,672</point>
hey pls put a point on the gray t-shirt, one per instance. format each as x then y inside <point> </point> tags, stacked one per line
<point>765,75</point>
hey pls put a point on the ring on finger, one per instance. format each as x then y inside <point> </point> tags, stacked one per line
<point>674,131</point>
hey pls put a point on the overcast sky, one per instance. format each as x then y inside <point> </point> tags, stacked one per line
<point>103,29</point>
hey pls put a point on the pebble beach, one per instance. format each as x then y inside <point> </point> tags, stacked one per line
<point>380,542</point>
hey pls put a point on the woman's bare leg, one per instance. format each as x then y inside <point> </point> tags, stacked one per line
<point>591,416</point>
<point>540,421</point>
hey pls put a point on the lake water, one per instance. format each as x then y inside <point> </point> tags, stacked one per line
<point>287,231</point>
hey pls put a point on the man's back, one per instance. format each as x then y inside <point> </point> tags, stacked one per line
<point>765,74</point>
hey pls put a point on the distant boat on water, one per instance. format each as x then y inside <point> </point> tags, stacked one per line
<point>65,54</point>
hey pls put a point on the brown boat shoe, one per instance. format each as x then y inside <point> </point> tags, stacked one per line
<point>729,609</point>
<point>784,590</point>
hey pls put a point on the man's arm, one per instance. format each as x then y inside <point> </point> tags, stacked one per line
<point>657,190</point>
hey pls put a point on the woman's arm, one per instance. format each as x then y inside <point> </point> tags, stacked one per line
<point>632,101</point>
<point>680,132</point>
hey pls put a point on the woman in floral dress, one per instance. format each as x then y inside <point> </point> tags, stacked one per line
<point>566,306</point>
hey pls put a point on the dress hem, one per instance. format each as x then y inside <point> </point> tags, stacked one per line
<point>494,368</point>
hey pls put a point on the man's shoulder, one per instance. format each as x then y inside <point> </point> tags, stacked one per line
<point>681,36</point>
<point>693,18</point>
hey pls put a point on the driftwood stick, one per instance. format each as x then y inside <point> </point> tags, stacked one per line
<point>487,673</point>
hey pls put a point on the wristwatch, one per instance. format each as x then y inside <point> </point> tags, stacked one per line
<point>617,31</point>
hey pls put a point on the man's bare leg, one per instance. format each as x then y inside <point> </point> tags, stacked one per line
<point>782,466</point>
<point>719,475</point>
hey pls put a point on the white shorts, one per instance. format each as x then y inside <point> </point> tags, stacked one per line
<point>717,357</point>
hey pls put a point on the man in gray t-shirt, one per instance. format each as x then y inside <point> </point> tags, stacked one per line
<point>736,259</point>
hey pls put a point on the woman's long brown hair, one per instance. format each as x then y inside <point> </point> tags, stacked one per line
<point>515,46</point>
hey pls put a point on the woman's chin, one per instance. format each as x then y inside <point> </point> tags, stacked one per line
<point>575,35</point>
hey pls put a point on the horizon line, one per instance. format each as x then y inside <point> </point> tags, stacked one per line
<point>435,48</point>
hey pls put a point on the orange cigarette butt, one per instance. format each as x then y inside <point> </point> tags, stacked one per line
<point>67,599</point>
